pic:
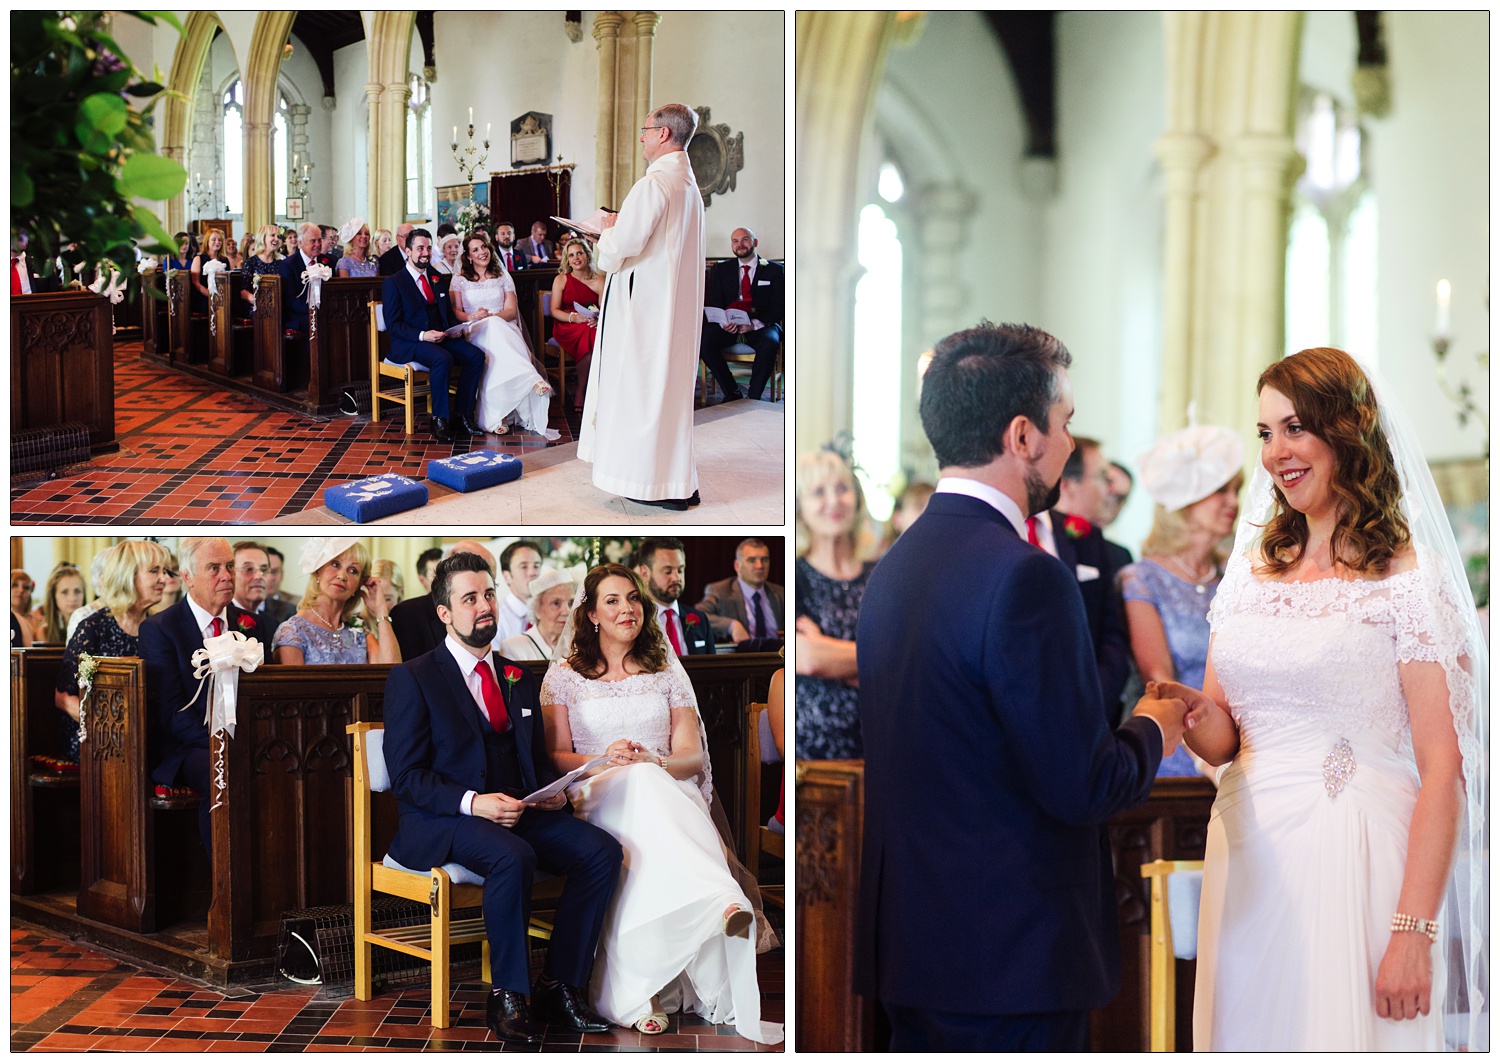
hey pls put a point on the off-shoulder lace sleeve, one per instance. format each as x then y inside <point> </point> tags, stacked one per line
<point>559,685</point>
<point>678,689</point>
<point>1430,626</point>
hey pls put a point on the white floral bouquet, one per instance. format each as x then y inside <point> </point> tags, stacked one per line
<point>87,666</point>
<point>472,216</point>
<point>148,263</point>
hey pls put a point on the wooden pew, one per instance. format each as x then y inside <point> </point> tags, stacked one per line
<point>310,372</point>
<point>62,366</point>
<point>230,331</point>
<point>271,375</point>
<point>43,802</point>
<point>1171,825</point>
<point>154,316</point>
<point>142,864</point>
<point>187,333</point>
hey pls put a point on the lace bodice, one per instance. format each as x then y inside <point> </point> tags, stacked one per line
<point>488,293</point>
<point>1329,651</point>
<point>638,708</point>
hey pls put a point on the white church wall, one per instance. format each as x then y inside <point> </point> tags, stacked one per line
<point>733,62</point>
<point>349,137</point>
<point>1102,263</point>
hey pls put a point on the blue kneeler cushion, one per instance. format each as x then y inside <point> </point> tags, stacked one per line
<point>475,470</point>
<point>375,497</point>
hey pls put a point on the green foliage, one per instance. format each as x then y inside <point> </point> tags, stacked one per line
<point>81,147</point>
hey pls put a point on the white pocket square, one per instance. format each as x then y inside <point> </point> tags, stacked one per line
<point>1086,573</point>
<point>763,282</point>
<point>527,712</point>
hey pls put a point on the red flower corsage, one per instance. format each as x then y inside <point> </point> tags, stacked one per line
<point>1077,527</point>
<point>512,675</point>
<point>246,622</point>
<point>692,619</point>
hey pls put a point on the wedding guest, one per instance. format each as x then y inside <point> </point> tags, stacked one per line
<point>63,596</point>
<point>450,247</point>
<point>331,243</point>
<point>234,254</point>
<point>746,605</point>
<point>21,587</point>
<point>757,286</point>
<point>578,283</point>
<point>288,243</point>
<point>357,263</point>
<point>1194,476</point>
<point>520,563</point>
<point>213,251</point>
<point>662,564</point>
<point>830,586</point>
<point>251,610</point>
<point>294,285</point>
<point>187,250</point>
<point>384,241</point>
<point>427,562</point>
<point>337,568</point>
<point>394,260</point>
<point>547,608</point>
<point>390,586</point>
<point>274,577</point>
<point>263,261</point>
<point>173,592</point>
<point>511,256</point>
<point>94,604</point>
<point>538,248</point>
<point>134,577</point>
<point>911,505</point>
<point>1120,485</point>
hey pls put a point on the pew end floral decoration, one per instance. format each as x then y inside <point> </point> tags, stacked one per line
<point>87,666</point>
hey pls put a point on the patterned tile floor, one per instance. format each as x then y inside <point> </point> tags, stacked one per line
<point>66,997</point>
<point>192,453</point>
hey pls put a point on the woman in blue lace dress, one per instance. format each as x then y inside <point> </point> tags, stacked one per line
<point>830,587</point>
<point>338,571</point>
<point>1194,476</point>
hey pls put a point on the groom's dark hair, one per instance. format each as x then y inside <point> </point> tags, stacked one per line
<point>442,576</point>
<point>982,379</point>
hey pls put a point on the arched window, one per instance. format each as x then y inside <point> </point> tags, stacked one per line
<point>280,165</point>
<point>234,150</point>
<point>1330,261</point>
<point>877,347</point>
<point>418,147</point>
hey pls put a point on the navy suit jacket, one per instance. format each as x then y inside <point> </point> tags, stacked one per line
<point>1102,605</point>
<point>293,287</point>
<point>167,644</point>
<point>406,309</point>
<point>989,776</point>
<point>434,749</point>
<point>767,289</point>
<point>417,627</point>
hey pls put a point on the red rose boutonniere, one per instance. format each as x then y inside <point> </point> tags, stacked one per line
<point>1077,527</point>
<point>512,676</point>
<point>246,622</point>
<point>692,620</point>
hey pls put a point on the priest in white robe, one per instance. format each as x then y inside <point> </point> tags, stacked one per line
<point>638,414</point>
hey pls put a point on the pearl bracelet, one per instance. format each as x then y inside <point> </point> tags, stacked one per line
<point>1401,921</point>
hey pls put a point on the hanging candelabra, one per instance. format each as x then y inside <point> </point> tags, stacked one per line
<point>471,160</point>
<point>297,183</point>
<point>201,198</point>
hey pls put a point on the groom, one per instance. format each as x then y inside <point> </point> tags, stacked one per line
<point>416,313</point>
<point>987,907</point>
<point>461,751</point>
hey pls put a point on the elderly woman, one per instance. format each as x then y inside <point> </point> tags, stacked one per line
<point>551,597</point>
<point>320,632</point>
<point>358,262</point>
<point>679,931</point>
<point>450,250</point>
<point>135,573</point>
<point>831,583</point>
<point>64,595</point>
<point>1194,476</point>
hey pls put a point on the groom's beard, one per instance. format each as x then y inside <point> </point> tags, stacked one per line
<point>1040,497</point>
<point>480,635</point>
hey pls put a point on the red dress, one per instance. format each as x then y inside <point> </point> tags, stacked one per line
<point>576,337</point>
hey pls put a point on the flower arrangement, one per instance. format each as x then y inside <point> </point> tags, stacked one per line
<point>87,666</point>
<point>472,216</point>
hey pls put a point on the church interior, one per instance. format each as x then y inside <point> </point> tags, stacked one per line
<point>188,410</point>
<point>1181,198</point>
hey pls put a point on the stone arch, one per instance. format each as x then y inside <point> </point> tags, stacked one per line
<point>198,32</point>
<point>388,37</point>
<point>262,75</point>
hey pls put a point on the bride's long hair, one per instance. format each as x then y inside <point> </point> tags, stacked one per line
<point>466,266</point>
<point>1334,401</point>
<point>650,648</point>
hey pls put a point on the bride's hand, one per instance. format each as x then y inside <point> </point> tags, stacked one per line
<point>621,751</point>
<point>1403,985</point>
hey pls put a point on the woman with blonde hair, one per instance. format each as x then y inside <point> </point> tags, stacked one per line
<point>579,283</point>
<point>830,582</point>
<point>267,243</point>
<point>384,241</point>
<point>321,632</point>
<point>65,593</point>
<point>135,573</point>
<point>357,262</point>
<point>390,585</point>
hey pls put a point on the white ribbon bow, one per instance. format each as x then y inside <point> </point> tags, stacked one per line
<point>223,658</point>
<point>315,275</point>
<point>211,270</point>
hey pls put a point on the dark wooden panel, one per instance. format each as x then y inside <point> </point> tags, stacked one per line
<point>339,337</point>
<point>62,364</point>
<point>270,360</point>
<point>153,315</point>
<point>43,819</point>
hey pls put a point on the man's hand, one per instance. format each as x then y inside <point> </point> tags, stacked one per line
<point>1199,704</point>
<point>608,222</point>
<point>433,335</point>
<point>737,632</point>
<point>1169,714</point>
<point>498,808</point>
<point>552,804</point>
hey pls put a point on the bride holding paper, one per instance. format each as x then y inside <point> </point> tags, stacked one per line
<point>513,390</point>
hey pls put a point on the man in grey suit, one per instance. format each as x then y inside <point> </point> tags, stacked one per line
<point>747,605</point>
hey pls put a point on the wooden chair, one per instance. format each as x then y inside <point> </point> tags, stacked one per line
<point>437,888</point>
<point>413,376</point>
<point>758,837</point>
<point>551,346</point>
<point>1163,983</point>
<point>742,354</point>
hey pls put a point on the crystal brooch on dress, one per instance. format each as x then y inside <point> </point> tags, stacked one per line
<point>1338,768</point>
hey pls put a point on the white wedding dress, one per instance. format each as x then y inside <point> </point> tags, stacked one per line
<point>512,391</point>
<point>1307,840</point>
<point>663,932</point>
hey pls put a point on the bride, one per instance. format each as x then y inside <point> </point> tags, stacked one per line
<point>513,391</point>
<point>680,931</point>
<point>1347,689</point>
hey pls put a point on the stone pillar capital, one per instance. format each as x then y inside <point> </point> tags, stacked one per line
<point>373,89</point>
<point>646,23</point>
<point>1270,161</point>
<point>607,24</point>
<point>1181,156</point>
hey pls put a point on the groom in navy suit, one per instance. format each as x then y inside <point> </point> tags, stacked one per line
<point>989,770</point>
<point>461,752</point>
<point>416,313</point>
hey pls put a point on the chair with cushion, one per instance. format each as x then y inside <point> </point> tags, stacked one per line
<point>551,348</point>
<point>1175,888</point>
<point>758,837</point>
<point>444,889</point>
<point>743,355</point>
<point>413,375</point>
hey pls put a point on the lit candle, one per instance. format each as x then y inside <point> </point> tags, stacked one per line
<point>471,116</point>
<point>486,131</point>
<point>294,162</point>
<point>455,136</point>
<point>1444,297</point>
<point>304,171</point>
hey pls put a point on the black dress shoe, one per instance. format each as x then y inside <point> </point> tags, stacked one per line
<point>442,430</point>
<point>679,504</point>
<point>562,1005</point>
<point>694,500</point>
<point>469,428</point>
<point>509,1018</point>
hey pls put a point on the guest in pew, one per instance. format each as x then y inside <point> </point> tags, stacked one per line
<point>135,574</point>
<point>520,563</point>
<point>449,252</point>
<point>539,250</point>
<point>511,256</point>
<point>384,241</point>
<point>547,608</point>
<point>390,585</point>
<point>830,586</point>
<point>213,251</point>
<point>394,260</point>
<point>21,587</point>
<point>417,625</point>
<point>746,605</point>
<point>427,562</point>
<point>187,250</point>
<point>332,243</point>
<point>681,931</point>
<point>338,584</point>
<point>662,563</point>
<point>1194,475</point>
<point>578,283</point>
<point>178,748</point>
<point>234,254</point>
<point>173,594</point>
<point>357,263</point>
<point>757,286</point>
<point>288,243</point>
<point>252,610</point>
<point>263,261</point>
<point>247,249</point>
<point>293,286</point>
<point>273,579</point>
<point>94,604</point>
<point>64,596</point>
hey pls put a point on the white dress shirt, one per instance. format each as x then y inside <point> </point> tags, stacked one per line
<point>510,617</point>
<point>468,664</point>
<point>1009,508</point>
<point>204,619</point>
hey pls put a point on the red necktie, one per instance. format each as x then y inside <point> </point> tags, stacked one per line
<point>1031,536</point>
<point>510,266</point>
<point>217,627</point>
<point>745,284</point>
<point>494,701</point>
<point>15,277</point>
<point>427,294</point>
<point>672,631</point>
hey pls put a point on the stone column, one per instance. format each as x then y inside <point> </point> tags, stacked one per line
<point>259,192</point>
<point>1182,156</point>
<point>392,144</point>
<point>607,34</point>
<point>174,218</point>
<point>373,91</point>
<point>645,32</point>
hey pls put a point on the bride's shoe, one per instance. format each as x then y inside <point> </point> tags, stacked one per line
<point>541,387</point>
<point>654,1023</point>
<point>737,922</point>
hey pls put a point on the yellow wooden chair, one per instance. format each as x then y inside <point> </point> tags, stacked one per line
<point>436,887</point>
<point>548,345</point>
<point>758,837</point>
<point>743,355</point>
<point>1163,1002</point>
<point>412,375</point>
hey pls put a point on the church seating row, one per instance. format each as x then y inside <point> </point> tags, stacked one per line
<point>282,826</point>
<point>1171,825</point>
<point>62,370</point>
